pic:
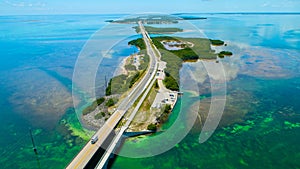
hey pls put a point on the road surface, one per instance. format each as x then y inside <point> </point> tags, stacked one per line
<point>89,149</point>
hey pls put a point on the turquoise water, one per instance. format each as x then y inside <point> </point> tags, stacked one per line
<point>267,137</point>
<point>261,122</point>
<point>259,129</point>
<point>38,54</point>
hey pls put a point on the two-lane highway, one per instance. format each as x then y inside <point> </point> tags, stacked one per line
<point>83,157</point>
<point>146,89</point>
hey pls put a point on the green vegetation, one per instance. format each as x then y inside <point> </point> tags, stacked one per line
<point>216,42</point>
<point>224,53</point>
<point>116,85</point>
<point>138,42</point>
<point>120,84</point>
<point>145,107</point>
<point>200,48</point>
<point>171,83</point>
<point>192,17</point>
<point>156,85</point>
<point>108,88</point>
<point>146,60</point>
<point>70,124</point>
<point>100,100</point>
<point>174,64</point>
<point>149,19</point>
<point>134,79</point>
<point>130,67</point>
<point>93,106</point>
<point>165,115</point>
<point>100,115</point>
<point>152,127</point>
<point>88,109</point>
<point>154,30</point>
<point>110,103</point>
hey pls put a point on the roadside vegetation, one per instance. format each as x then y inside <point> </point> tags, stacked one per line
<point>122,83</point>
<point>135,77</point>
<point>119,85</point>
<point>110,102</point>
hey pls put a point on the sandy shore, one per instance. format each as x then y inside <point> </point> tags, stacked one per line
<point>121,68</point>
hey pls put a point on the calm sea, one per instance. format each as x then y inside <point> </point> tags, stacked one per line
<point>260,127</point>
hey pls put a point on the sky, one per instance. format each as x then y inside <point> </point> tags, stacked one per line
<point>29,7</point>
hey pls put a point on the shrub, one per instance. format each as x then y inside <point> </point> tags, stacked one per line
<point>134,79</point>
<point>130,67</point>
<point>171,83</point>
<point>156,85</point>
<point>110,103</point>
<point>98,116</point>
<point>151,127</point>
<point>216,42</point>
<point>100,100</point>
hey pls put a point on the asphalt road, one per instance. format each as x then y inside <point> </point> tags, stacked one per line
<point>146,89</point>
<point>89,149</point>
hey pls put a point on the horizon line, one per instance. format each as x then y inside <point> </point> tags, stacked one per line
<point>177,13</point>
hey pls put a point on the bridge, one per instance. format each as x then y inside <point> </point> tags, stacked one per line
<point>139,90</point>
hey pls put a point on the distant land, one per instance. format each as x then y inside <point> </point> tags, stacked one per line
<point>241,13</point>
<point>156,19</point>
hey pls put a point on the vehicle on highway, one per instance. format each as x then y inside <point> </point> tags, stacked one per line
<point>94,139</point>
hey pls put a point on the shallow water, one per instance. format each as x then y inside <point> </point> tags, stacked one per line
<point>38,54</point>
<point>259,129</point>
<point>261,122</point>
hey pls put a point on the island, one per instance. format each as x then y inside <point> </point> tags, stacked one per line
<point>148,19</point>
<point>174,52</point>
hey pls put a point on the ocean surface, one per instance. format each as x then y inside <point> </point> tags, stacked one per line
<point>260,127</point>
